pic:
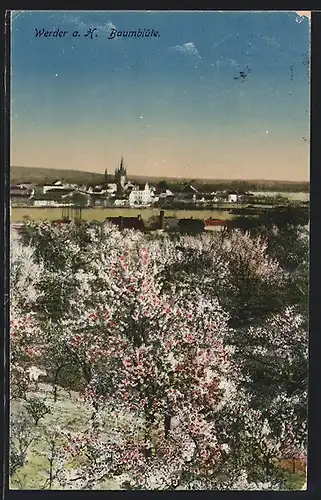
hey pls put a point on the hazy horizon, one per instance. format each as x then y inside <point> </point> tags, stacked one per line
<point>218,95</point>
<point>167,177</point>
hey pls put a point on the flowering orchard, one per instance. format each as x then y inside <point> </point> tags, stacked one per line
<point>186,380</point>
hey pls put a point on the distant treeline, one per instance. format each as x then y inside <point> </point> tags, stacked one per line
<point>253,185</point>
<point>47,176</point>
<point>227,185</point>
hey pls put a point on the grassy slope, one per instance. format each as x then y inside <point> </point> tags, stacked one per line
<point>72,415</point>
<point>48,175</point>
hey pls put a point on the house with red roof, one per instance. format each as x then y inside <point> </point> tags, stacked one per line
<point>217,225</point>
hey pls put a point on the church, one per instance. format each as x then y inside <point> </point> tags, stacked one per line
<point>119,178</point>
<point>121,175</point>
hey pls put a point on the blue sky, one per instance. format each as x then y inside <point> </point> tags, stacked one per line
<point>175,104</point>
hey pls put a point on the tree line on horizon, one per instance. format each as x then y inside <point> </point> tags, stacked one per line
<point>47,176</point>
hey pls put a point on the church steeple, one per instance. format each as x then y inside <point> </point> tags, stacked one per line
<point>121,175</point>
<point>121,168</point>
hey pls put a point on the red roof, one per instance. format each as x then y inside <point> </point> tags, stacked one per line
<point>217,222</point>
<point>20,227</point>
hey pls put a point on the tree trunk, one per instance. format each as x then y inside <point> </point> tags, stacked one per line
<point>55,383</point>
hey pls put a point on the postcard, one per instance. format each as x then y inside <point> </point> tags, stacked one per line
<point>159,250</point>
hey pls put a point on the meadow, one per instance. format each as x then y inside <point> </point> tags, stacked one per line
<point>292,196</point>
<point>69,412</point>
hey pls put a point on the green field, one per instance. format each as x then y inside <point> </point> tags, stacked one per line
<point>293,196</point>
<point>100,213</point>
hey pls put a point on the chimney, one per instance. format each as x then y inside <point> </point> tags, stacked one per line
<point>139,216</point>
<point>161,219</point>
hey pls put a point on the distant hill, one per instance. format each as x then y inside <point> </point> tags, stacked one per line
<point>48,175</point>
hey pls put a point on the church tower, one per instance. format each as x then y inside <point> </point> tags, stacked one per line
<point>121,175</point>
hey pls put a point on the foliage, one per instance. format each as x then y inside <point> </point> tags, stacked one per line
<point>187,343</point>
<point>289,245</point>
<point>37,409</point>
<point>283,216</point>
<point>21,437</point>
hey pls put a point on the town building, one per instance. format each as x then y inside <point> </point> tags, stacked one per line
<point>120,201</point>
<point>59,193</point>
<point>232,197</point>
<point>188,194</point>
<point>20,195</point>
<point>96,190</point>
<point>165,193</point>
<point>52,198</point>
<point>129,186</point>
<point>26,185</point>
<point>57,186</point>
<point>97,199</point>
<point>111,188</point>
<point>47,203</point>
<point>77,198</point>
<point>217,224</point>
<point>204,198</point>
<point>140,195</point>
<point>20,191</point>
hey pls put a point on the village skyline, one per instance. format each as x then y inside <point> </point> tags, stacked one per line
<point>116,189</point>
<point>23,174</point>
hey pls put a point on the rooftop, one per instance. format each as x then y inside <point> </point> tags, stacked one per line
<point>127,222</point>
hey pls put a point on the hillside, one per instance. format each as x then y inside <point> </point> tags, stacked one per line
<point>47,175</point>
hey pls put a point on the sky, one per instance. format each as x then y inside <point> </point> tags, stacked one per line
<point>216,95</point>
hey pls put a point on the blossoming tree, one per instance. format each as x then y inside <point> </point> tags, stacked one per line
<point>137,326</point>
